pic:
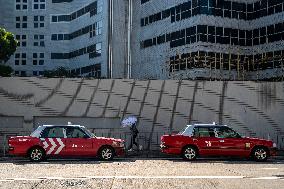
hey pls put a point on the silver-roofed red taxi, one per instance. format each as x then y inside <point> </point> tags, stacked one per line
<point>215,140</point>
<point>64,141</point>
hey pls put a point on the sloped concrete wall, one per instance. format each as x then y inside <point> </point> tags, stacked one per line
<point>162,106</point>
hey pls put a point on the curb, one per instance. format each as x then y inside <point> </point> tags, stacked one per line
<point>7,159</point>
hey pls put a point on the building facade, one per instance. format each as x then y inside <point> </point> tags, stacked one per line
<point>208,39</point>
<point>148,39</point>
<point>75,34</point>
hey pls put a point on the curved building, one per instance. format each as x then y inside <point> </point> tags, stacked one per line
<point>208,39</point>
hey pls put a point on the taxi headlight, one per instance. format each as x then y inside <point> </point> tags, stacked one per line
<point>118,144</point>
<point>121,144</point>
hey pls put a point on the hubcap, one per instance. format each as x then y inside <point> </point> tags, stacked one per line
<point>260,154</point>
<point>189,153</point>
<point>106,153</point>
<point>36,154</point>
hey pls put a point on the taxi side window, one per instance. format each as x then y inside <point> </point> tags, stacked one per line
<point>52,132</point>
<point>203,132</point>
<point>225,132</point>
<point>74,133</point>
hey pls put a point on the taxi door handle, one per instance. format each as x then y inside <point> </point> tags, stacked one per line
<point>221,141</point>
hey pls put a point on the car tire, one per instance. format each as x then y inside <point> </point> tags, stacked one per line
<point>106,153</point>
<point>189,153</point>
<point>260,154</point>
<point>36,154</point>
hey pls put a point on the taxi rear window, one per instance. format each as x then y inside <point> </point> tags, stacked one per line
<point>52,132</point>
<point>204,132</point>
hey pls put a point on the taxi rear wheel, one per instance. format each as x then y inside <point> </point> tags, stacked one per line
<point>189,153</point>
<point>36,154</point>
<point>260,154</point>
<point>106,153</point>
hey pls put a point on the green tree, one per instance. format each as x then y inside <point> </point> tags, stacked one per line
<point>5,71</point>
<point>8,45</point>
<point>58,72</point>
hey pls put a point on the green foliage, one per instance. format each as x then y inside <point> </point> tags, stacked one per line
<point>58,72</point>
<point>8,45</point>
<point>5,71</point>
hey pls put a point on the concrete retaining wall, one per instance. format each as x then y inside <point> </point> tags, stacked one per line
<point>254,109</point>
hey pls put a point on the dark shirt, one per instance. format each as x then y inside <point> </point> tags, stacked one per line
<point>134,130</point>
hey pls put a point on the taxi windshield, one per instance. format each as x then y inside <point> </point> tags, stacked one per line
<point>37,132</point>
<point>187,131</point>
<point>88,132</point>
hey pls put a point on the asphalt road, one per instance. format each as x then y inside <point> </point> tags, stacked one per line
<point>141,173</point>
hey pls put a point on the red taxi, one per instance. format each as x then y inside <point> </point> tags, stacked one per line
<point>215,140</point>
<point>64,141</point>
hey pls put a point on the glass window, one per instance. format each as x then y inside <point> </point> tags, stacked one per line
<point>60,36</point>
<point>53,37</point>
<point>39,4</point>
<point>202,29</point>
<point>54,18</point>
<point>74,133</point>
<point>219,31</point>
<point>225,132</point>
<point>52,132</point>
<point>204,132</point>
<point>38,21</point>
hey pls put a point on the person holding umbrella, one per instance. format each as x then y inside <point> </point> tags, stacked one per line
<point>134,133</point>
<point>132,123</point>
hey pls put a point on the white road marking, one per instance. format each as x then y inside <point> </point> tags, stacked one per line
<point>266,178</point>
<point>53,146</point>
<point>270,168</point>
<point>61,146</point>
<point>167,177</point>
<point>139,177</point>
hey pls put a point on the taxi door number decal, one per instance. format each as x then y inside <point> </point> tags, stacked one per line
<point>247,145</point>
<point>208,143</point>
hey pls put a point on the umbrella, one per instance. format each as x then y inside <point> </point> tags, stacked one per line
<point>129,121</point>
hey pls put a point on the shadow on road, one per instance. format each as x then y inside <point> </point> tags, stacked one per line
<point>18,161</point>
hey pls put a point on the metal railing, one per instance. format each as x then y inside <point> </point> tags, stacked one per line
<point>149,145</point>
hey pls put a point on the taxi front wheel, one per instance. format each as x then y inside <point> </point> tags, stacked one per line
<point>106,153</point>
<point>260,154</point>
<point>189,153</point>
